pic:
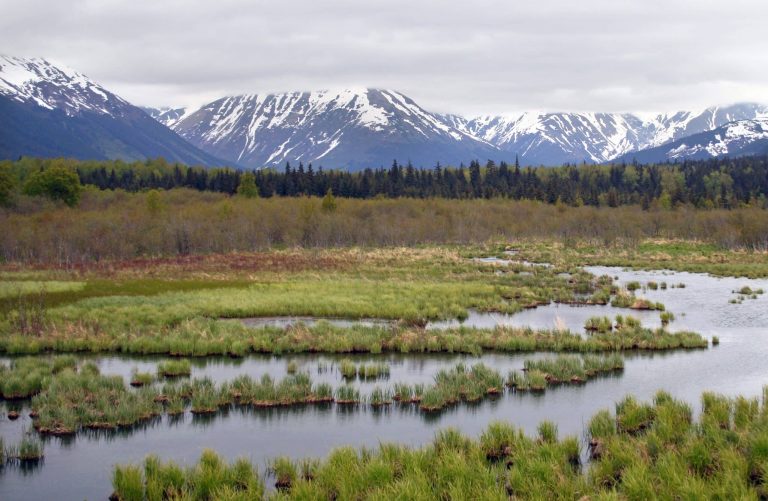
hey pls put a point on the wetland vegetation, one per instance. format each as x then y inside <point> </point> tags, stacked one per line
<point>191,307</point>
<point>644,450</point>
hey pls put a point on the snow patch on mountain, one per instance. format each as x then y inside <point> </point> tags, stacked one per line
<point>54,87</point>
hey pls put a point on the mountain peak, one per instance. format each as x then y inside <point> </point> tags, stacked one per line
<point>52,110</point>
<point>54,86</point>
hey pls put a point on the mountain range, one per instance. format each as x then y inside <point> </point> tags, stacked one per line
<point>50,110</point>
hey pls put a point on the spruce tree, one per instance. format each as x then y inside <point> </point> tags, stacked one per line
<point>247,187</point>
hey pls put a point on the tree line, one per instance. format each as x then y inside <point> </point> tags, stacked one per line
<point>714,183</point>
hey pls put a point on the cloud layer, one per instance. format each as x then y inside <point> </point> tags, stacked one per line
<point>483,56</point>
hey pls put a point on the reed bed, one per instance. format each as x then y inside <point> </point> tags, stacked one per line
<point>174,368</point>
<point>210,478</point>
<point>373,370</point>
<point>565,369</point>
<point>646,450</point>
<point>185,339</point>
<point>461,383</point>
<point>90,400</point>
<point>139,379</point>
<point>29,449</point>
<point>27,376</point>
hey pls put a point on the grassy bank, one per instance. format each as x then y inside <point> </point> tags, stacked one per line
<point>176,306</point>
<point>210,337</point>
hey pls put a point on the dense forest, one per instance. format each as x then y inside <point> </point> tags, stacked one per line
<point>715,183</point>
<point>67,212</point>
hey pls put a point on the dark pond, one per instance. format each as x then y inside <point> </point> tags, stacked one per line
<point>80,467</point>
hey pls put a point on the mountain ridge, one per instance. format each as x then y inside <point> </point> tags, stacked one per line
<point>52,110</point>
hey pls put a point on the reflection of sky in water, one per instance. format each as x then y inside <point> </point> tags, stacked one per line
<point>81,467</point>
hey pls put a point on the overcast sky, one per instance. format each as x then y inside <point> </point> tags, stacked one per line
<point>469,56</point>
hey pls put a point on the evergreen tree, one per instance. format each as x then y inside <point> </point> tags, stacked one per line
<point>247,187</point>
<point>329,202</point>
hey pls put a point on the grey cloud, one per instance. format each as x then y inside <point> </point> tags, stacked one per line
<point>483,56</point>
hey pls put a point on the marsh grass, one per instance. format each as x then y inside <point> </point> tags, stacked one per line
<point>29,449</point>
<point>408,393</point>
<point>461,383</point>
<point>84,399</point>
<point>219,336</point>
<point>347,395</point>
<point>574,368</point>
<point>210,478</point>
<point>139,379</point>
<point>598,324</point>
<point>379,397</point>
<point>160,313</point>
<point>652,450</point>
<point>666,317</point>
<point>27,376</point>
<point>174,368</point>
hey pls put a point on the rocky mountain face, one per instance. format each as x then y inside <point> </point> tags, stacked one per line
<point>739,138</point>
<point>50,110</point>
<point>357,128</point>
<point>350,128</point>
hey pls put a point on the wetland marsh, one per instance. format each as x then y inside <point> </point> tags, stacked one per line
<point>407,329</point>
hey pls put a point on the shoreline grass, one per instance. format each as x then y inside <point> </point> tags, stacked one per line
<point>222,337</point>
<point>646,450</point>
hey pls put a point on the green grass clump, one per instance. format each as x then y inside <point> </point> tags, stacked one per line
<point>379,397</point>
<point>666,317</point>
<point>633,417</point>
<point>461,383</point>
<point>628,300</point>
<point>27,376</point>
<point>285,472</point>
<point>347,394</point>
<point>373,370</point>
<point>205,397</point>
<point>406,393</point>
<point>530,380</point>
<point>75,400</point>
<point>210,478</point>
<point>598,324</point>
<point>30,448</point>
<point>141,378</point>
<point>569,368</point>
<point>174,368</point>
<point>347,368</point>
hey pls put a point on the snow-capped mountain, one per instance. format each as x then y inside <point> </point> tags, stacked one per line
<point>556,138</point>
<point>739,138</point>
<point>166,116</point>
<point>357,128</point>
<point>350,128</point>
<point>52,110</point>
